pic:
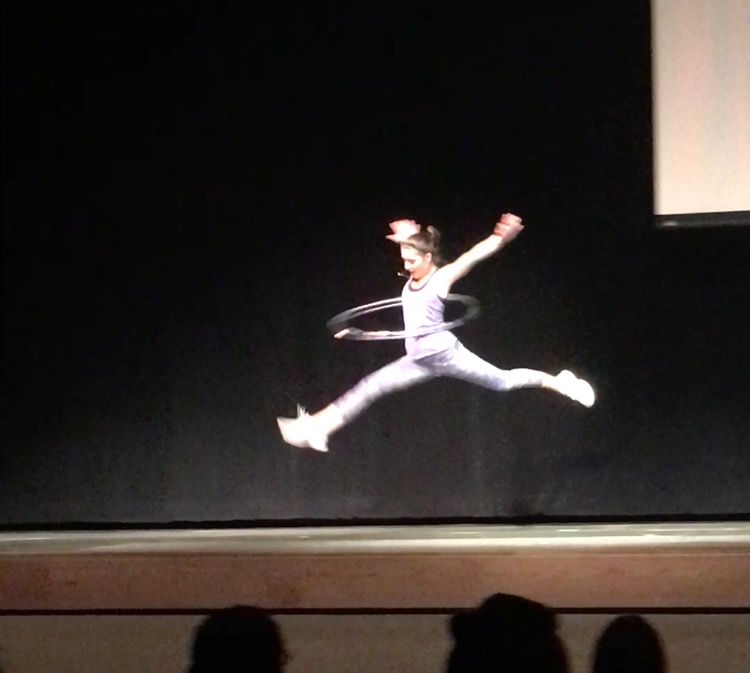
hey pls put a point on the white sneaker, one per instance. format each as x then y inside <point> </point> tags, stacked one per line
<point>303,431</point>
<point>576,389</point>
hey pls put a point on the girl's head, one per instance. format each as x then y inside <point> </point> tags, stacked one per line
<point>421,252</point>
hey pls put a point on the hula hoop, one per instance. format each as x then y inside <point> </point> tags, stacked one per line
<point>340,329</point>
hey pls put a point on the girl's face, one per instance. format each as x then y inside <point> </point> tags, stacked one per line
<point>418,265</point>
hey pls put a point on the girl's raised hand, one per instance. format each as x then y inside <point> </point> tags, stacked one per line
<point>508,227</point>
<point>402,229</point>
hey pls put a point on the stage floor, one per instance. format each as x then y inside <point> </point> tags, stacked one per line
<point>655,566</point>
<point>383,539</point>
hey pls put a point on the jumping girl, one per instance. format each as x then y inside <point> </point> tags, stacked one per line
<point>437,354</point>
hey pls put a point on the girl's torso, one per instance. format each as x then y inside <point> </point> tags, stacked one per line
<point>423,307</point>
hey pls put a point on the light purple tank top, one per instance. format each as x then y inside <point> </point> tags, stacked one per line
<point>424,308</point>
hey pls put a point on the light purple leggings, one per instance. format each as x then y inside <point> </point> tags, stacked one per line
<point>458,362</point>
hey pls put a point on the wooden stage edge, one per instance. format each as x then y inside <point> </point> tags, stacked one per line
<point>680,567</point>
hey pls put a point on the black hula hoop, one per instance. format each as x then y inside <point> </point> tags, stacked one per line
<point>340,329</point>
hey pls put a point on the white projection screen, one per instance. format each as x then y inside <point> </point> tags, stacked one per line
<point>701,114</point>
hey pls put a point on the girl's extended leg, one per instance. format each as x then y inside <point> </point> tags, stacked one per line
<point>398,375</point>
<point>461,363</point>
<point>313,430</point>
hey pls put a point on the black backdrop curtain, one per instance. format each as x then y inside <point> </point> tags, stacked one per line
<point>192,191</point>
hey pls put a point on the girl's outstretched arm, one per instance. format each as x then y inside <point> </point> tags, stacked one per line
<point>507,228</point>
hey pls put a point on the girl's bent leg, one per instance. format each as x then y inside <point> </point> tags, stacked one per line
<point>461,363</point>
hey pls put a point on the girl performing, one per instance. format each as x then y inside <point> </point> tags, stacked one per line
<point>429,353</point>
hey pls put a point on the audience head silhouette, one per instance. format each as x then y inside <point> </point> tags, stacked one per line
<point>629,644</point>
<point>508,634</point>
<point>239,639</point>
